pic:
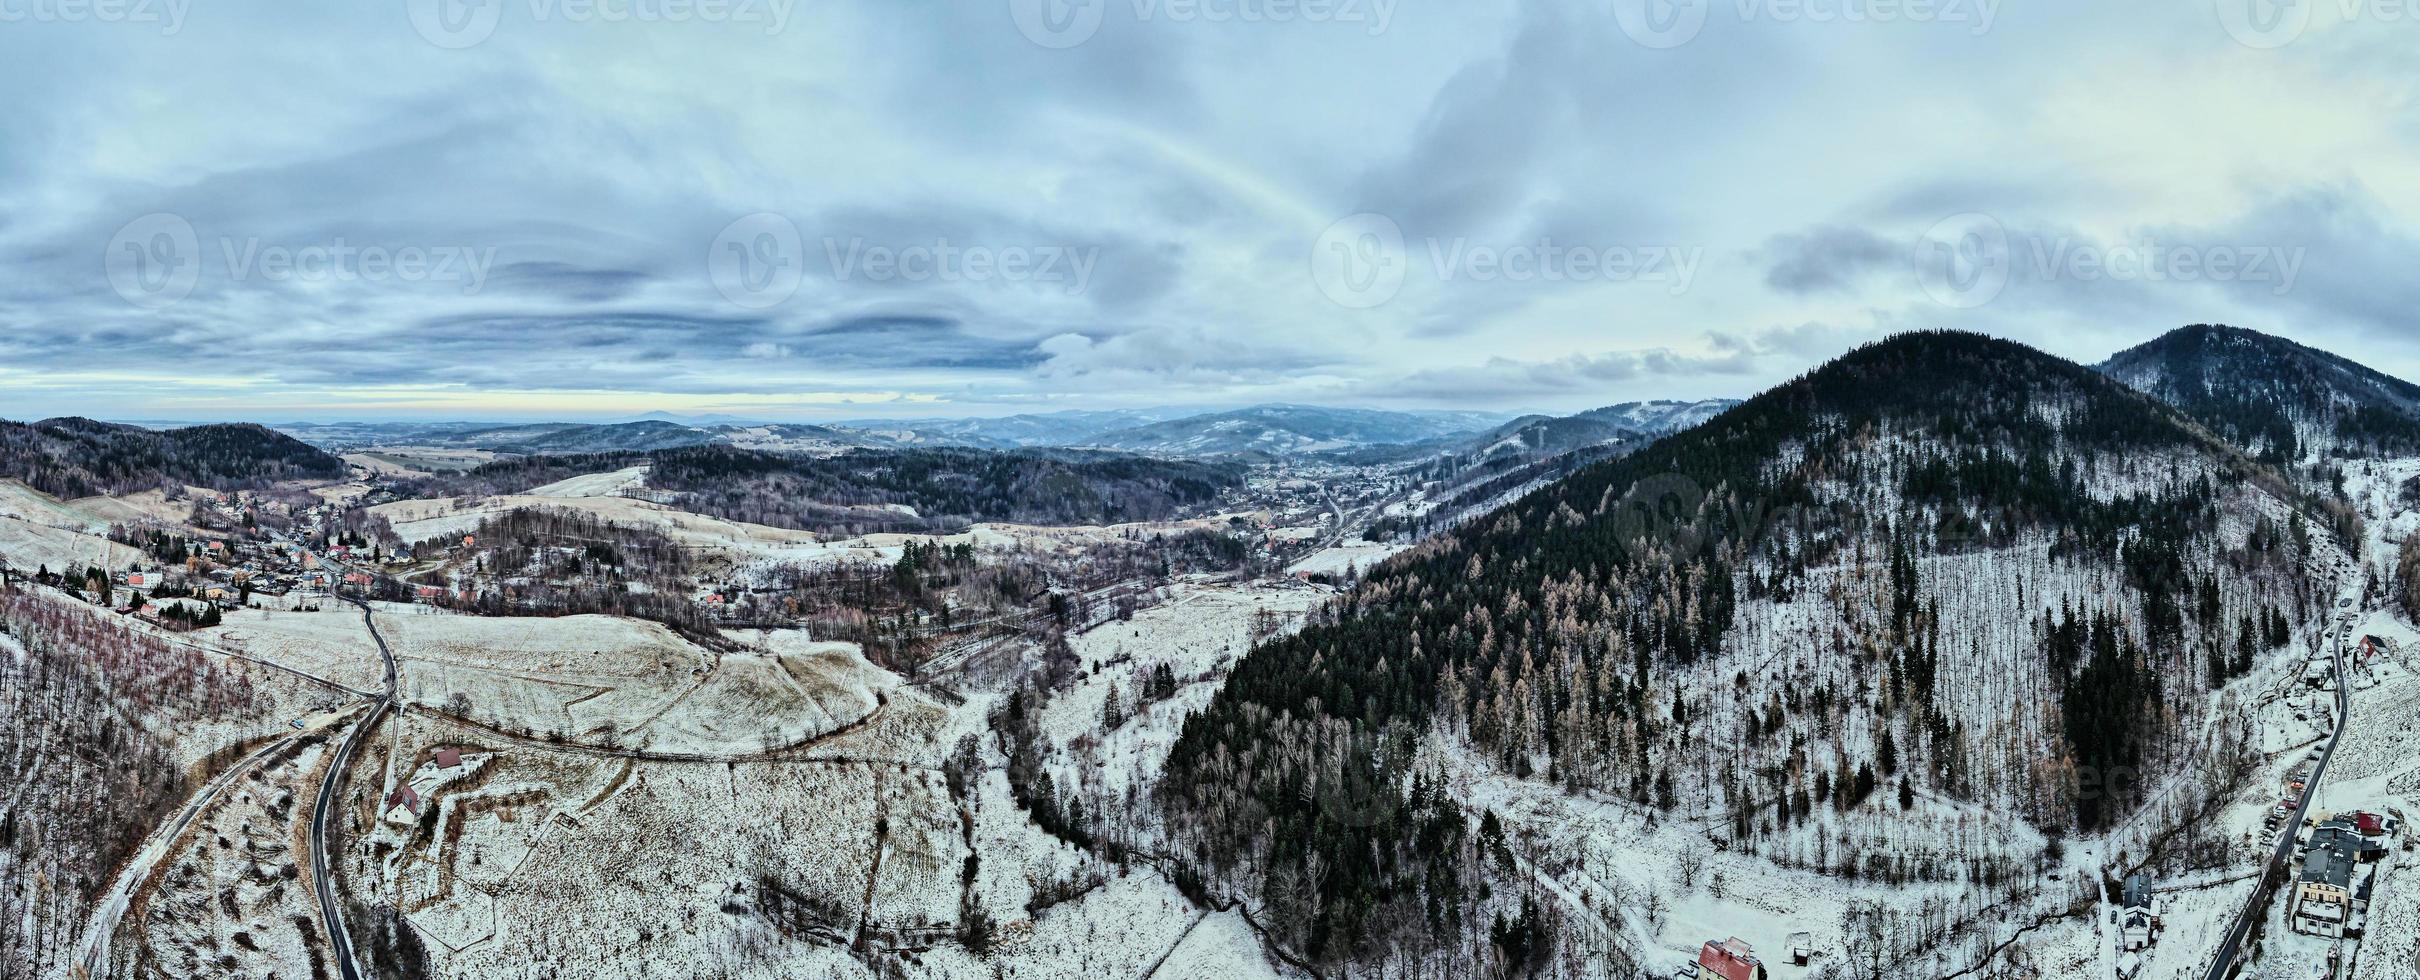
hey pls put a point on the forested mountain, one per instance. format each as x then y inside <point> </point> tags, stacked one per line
<point>92,716</point>
<point>77,457</point>
<point>2283,401</point>
<point>1942,567</point>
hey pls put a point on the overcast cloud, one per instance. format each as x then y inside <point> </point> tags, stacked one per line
<point>559,208</point>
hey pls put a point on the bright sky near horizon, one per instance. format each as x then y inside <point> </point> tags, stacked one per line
<point>576,209</point>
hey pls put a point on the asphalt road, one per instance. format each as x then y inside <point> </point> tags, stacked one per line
<point>2224,964</point>
<point>330,802</point>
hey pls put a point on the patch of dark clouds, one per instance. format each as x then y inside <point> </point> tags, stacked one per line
<point>1828,259</point>
<point>566,282</point>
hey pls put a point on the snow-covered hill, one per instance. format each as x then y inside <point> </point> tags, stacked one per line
<point>2272,396</point>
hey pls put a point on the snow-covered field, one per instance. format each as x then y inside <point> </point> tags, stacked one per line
<point>1352,556</point>
<point>628,683</point>
<point>552,862</point>
<point>331,643</point>
<point>30,546</point>
<point>595,484</point>
<point>35,507</point>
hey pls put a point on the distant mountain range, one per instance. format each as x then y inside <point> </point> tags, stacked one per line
<point>1287,430</point>
<point>2275,398</point>
<point>1266,429</point>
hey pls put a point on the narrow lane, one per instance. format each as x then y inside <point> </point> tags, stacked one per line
<point>330,801</point>
<point>2223,965</point>
<point>94,956</point>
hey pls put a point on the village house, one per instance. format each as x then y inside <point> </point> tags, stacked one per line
<point>2323,893</point>
<point>1731,959</point>
<point>403,804</point>
<point>2138,915</point>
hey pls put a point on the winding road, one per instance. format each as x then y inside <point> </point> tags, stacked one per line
<point>330,802</point>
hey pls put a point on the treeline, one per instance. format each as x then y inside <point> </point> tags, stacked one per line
<point>943,489</point>
<point>74,457</point>
<point>882,490</point>
<point>85,768</point>
<point>1545,632</point>
<point>901,613</point>
<point>550,562</point>
<point>515,474</point>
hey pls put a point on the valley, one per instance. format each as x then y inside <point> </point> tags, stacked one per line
<point>1846,678</point>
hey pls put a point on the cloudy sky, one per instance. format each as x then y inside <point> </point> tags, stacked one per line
<point>567,208</point>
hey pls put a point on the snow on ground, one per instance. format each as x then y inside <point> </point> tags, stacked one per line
<point>35,507</point>
<point>631,683</point>
<point>595,484</point>
<point>383,465</point>
<point>1221,947</point>
<point>331,644</point>
<point>30,546</point>
<point>1622,862</point>
<point>417,460</point>
<point>596,867</point>
<point>422,520</point>
<point>233,902</point>
<point>1198,632</point>
<point>1354,556</point>
<point>750,548</point>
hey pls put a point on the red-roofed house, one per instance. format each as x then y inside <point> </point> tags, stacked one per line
<point>1731,959</point>
<point>449,758</point>
<point>403,803</point>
